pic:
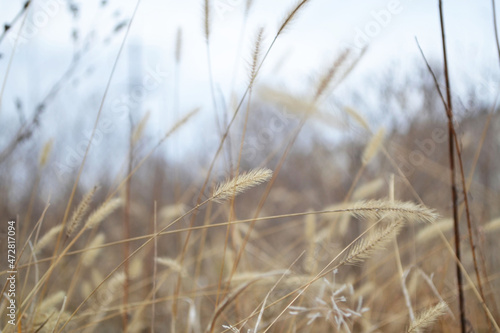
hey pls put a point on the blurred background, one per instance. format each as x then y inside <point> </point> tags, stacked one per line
<point>63,57</point>
<point>56,61</point>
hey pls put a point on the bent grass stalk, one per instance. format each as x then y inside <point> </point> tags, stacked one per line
<point>253,75</point>
<point>226,133</point>
<point>244,185</point>
<point>235,222</point>
<point>366,247</point>
<point>454,144</point>
<point>87,149</point>
<point>353,253</point>
<point>322,87</point>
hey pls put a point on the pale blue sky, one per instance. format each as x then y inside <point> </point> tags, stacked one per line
<point>318,34</point>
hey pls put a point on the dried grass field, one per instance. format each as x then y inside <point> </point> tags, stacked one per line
<point>271,207</point>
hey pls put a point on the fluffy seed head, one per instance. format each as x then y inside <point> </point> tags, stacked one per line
<point>427,318</point>
<point>53,300</point>
<point>330,74</point>
<point>103,212</point>
<point>139,129</point>
<point>256,56</point>
<point>369,189</point>
<point>47,239</point>
<point>397,210</point>
<point>44,156</point>
<point>373,146</point>
<point>89,256</point>
<point>291,15</point>
<point>172,264</point>
<point>80,211</point>
<point>492,225</point>
<point>432,230</point>
<point>357,117</point>
<point>206,14</point>
<point>365,247</point>
<point>241,183</point>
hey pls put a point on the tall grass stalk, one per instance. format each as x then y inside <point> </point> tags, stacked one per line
<point>98,117</point>
<point>454,196</point>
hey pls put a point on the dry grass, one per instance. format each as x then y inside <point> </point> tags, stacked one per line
<point>304,235</point>
<point>240,184</point>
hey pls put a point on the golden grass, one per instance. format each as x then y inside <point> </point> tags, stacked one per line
<point>427,318</point>
<point>240,184</point>
<point>310,252</point>
<point>80,212</point>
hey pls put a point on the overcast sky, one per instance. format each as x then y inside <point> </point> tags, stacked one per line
<point>45,49</point>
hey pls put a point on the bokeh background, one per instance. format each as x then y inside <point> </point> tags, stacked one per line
<point>56,61</point>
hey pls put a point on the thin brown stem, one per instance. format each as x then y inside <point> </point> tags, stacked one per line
<point>465,187</point>
<point>454,197</point>
<point>87,149</point>
<point>212,164</point>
